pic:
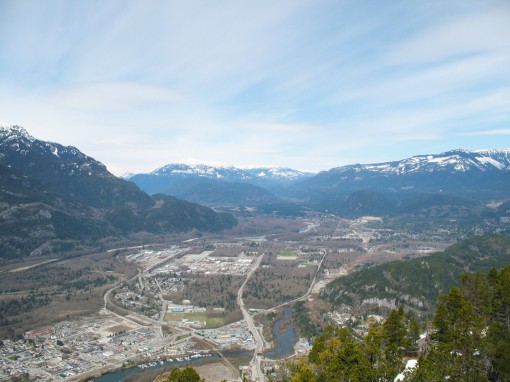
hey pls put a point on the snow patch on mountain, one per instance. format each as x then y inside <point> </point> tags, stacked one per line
<point>230,172</point>
<point>14,132</point>
<point>122,174</point>
<point>15,139</point>
<point>451,161</point>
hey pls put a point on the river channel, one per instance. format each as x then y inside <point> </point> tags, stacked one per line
<point>285,338</point>
<point>120,375</point>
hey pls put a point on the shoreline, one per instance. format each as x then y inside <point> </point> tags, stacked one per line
<point>184,359</point>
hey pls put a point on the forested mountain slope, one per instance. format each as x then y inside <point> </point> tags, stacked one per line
<point>417,283</point>
<point>55,198</point>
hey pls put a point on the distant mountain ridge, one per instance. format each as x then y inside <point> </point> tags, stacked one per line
<point>480,175</point>
<point>231,173</point>
<point>267,177</point>
<point>54,197</point>
<point>219,184</point>
<point>450,161</point>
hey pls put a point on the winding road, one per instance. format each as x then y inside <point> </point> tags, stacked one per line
<point>257,373</point>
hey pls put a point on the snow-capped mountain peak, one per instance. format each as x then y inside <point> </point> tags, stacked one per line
<point>16,143</point>
<point>453,161</point>
<point>166,177</point>
<point>229,173</point>
<point>13,132</point>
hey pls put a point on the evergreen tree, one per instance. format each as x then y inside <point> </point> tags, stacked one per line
<point>499,330</point>
<point>188,374</point>
<point>471,337</point>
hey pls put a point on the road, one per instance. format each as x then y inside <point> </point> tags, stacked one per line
<point>261,345</point>
<point>257,373</point>
<point>299,298</point>
<point>106,296</point>
<point>255,363</point>
<point>140,276</point>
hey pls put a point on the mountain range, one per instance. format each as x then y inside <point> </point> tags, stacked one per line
<point>480,175</point>
<point>353,189</point>
<point>220,185</point>
<point>54,198</point>
<point>452,178</point>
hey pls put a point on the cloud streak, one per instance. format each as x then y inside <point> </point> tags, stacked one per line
<point>296,83</point>
<point>112,96</point>
<point>488,132</point>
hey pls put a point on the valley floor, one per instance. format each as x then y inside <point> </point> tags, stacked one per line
<point>186,300</point>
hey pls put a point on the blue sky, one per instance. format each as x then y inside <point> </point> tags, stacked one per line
<point>306,84</point>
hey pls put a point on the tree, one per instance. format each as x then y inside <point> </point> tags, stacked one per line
<point>469,341</point>
<point>338,356</point>
<point>304,373</point>
<point>188,374</point>
<point>459,348</point>
<point>499,330</point>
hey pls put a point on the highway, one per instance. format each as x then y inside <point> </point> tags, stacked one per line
<point>303,297</point>
<point>257,373</point>
<point>261,345</point>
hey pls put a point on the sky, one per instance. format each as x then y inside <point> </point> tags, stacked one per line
<point>306,84</point>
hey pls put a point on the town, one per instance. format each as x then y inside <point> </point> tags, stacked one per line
<point>207,296</point>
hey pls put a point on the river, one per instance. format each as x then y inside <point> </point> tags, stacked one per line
<point>285,336</point>
<point>120,375</point>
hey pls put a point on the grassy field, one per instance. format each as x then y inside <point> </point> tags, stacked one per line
<point>211,322</point>
<point>287,253</point>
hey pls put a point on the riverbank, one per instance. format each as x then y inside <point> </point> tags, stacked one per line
<point>212,372</point>
<point>284,335</point>
<point>152,368</point>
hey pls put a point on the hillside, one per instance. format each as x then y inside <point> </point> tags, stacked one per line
<point>366,202</point>
<point>67,171</point>
<point>34,220</point>
<point>218,192</point>
<point>55,198</point>
<point>417,283</point>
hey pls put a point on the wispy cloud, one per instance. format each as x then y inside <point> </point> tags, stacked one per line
<point>476,32</point>
<point>419,137</point>
<point>296,83</point>
<point>112,96</point>
<point>488,132</point>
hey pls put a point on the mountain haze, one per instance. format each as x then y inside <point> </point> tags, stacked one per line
<point>220,192</point>
<point>225,185</point>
